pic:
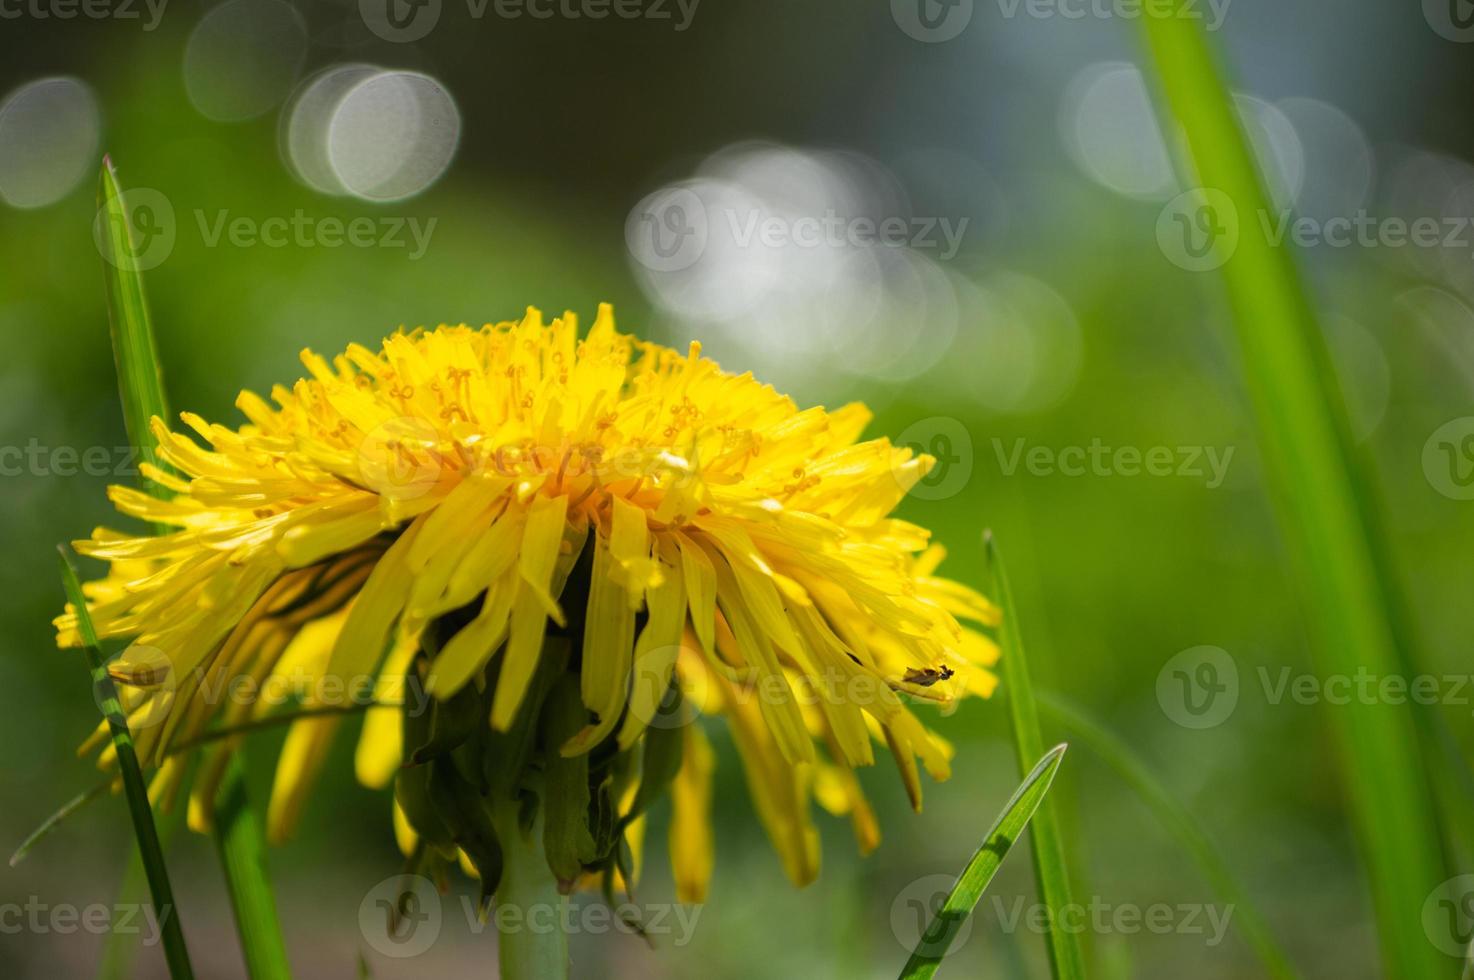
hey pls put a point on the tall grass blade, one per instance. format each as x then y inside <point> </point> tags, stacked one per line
<point>1180,822</point>
<point>238,835</point>
<point>140,379</point>
<point>1307,449</point>
<point>175,953</point>
<point>1066,959</point>
<point>974,880</point>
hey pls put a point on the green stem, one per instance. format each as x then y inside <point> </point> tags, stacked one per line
<point>241,845</point>
<point>1315,474</point>
<point>531,912</point>
<point>152,853</point>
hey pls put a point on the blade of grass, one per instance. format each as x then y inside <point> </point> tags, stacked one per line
<point>55,820</point>
<point>241,844</point>
<point>1306,445</point>
<point>974,880</point>
<point>175,953</point>
<point>140,380</point>
<point>1180,822</point>
<point>238,836</point>
<point>120,949</point>
<point>1066,960</point>
<point>76,803</point>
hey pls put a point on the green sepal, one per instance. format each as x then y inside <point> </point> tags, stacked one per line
<point>566,838</point>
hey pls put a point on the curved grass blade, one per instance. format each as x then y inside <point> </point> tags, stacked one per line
<point>55,820</point>
<point>76,803</point>
<point>1066,959</point>
<point>175,953</point>
<point>238,835</point>
<point>1180,822</point>
<point>1329,525</point>
<point>979,872</point>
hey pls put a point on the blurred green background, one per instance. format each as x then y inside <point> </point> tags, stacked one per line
<point>1061,318</point>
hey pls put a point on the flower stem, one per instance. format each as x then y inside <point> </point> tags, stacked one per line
<point>530,910</point>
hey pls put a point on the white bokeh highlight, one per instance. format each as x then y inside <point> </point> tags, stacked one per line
<point>391,135</point>
<point>50,134</point>
<point>243,57</point>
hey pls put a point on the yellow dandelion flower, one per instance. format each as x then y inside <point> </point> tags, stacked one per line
<point>536,564</point>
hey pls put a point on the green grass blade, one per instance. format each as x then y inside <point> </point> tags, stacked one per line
<point>55,820</point>
<point>1180,822</point>
<point>140,380</point>
<point>973,881</point>
<point>238,835</point>
<point>1306,445</point>
<point>1066,959</point>
<point>134,789</point>
<point>241,844</point>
